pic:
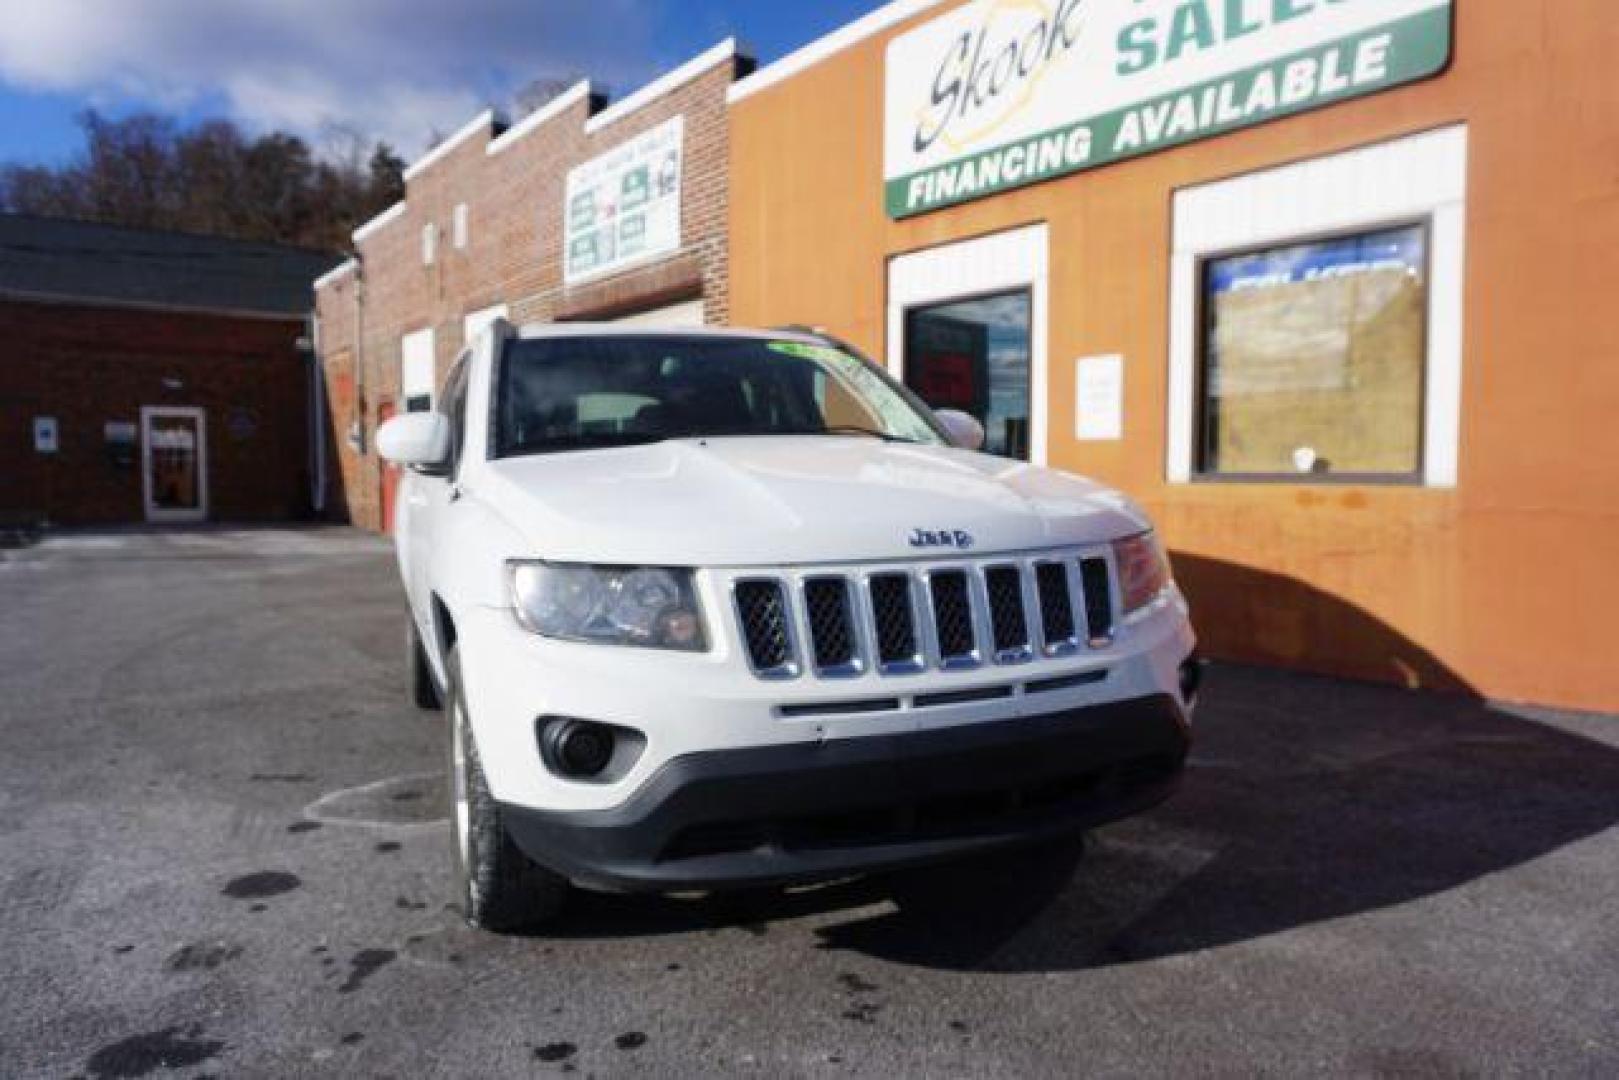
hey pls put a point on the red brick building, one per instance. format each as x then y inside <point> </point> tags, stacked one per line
<point>579,211</point>
<point>150,376</point>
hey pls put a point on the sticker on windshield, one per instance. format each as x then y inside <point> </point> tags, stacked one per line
<point>823,353</point>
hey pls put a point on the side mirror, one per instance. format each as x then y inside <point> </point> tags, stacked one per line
<point>964,431</point>
<point>417,440</point>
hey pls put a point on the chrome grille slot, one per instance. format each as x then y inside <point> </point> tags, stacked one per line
<point>1098,602</point>
<point>895,620</point>
<point>1057,630</point>
<point>858,623</point>
<point>761,609</point>
<point>1009,626</point>
<point>831,626</point>
<point>953,618</point>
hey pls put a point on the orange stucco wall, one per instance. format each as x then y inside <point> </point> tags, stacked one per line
<point>1508,585</point>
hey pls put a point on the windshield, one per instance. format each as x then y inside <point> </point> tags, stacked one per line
<point>576,393</point>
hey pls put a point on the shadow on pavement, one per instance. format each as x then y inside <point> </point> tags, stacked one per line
<point>1306,799</point>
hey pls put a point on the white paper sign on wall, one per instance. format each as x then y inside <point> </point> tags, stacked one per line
<point>45,435</point>
<point>1099,399</point>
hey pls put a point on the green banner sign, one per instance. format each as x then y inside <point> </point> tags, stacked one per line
<point>1004,70</point>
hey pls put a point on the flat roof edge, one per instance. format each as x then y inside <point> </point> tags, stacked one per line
<point>725,51</point>
<point>544,114</point>
<point>483,121</point>
<point>395,211</point>
<point>342,269</point>
<point>844,37</point>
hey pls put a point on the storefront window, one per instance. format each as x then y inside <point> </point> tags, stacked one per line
<point>1313,358</point>
<point>973,355</point>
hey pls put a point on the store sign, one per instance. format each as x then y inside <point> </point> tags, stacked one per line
<point>624,207</point>
<point>998,94</point>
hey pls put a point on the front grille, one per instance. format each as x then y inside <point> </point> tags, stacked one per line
<point>895,620</point>
<point>1056,605</point>
<point>761,607</point>
<point>843,623</point>
<point>826,603</point>
<point>953,615</point>
<point>1008,626</point>
<point>1098,600</point>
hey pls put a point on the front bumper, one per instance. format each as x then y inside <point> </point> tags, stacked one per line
<point>811,811</point>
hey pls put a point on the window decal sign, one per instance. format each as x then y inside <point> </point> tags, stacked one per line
<point>623,207</point>
<point>998,94</point>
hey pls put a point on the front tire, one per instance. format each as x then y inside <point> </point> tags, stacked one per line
<point>500,888</point>
<point>423,689</point>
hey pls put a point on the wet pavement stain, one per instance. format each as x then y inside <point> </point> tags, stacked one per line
<point>303,826</point>
<point>406,904</point>
<point>630,1040</point>
<point>412,800</point>
<point>861,1012</point>
<point>388,846</point>
<point>864,1012</point>
<point>556,1051</point>
<point>352,1038</point>
<point>281,778</point>
<point>202,957</point>
<point>363,965</point>
<point>265,883</point>
<point>142,1055</point>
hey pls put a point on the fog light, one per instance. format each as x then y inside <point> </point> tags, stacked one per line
<point>577,749</point>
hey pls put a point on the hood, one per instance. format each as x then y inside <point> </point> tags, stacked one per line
<point>780,501</point>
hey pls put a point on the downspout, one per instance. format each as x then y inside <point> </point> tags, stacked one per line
<point>357,437</point>
<point>317,420</point>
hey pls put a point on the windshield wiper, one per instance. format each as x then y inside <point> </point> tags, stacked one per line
<point>855,429</point>
<point>599,441</point>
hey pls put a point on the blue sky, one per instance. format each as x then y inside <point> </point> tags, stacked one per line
<point>396,69</point>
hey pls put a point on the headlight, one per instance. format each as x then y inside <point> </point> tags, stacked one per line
<point>1143,570</point>
<point>645,606</point>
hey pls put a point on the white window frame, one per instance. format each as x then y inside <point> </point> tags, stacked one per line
<point>429,244</point>
<point>1421,177</point>
<point>418,369</point>
<point>1002,262</point>
<point>459,226</point>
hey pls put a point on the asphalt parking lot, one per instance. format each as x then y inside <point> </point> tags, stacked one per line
<point>222,852</point>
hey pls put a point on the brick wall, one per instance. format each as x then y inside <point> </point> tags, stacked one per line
<point>87,366</point>
<point>513,255</point>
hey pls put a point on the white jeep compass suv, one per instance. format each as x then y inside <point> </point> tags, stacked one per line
<point>715,609</point>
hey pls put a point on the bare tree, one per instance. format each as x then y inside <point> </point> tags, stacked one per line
<point>146,172</point>
<point>540,92</point>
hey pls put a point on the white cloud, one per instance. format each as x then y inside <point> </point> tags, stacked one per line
<point>396,69</point>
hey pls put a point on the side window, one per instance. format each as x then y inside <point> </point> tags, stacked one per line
<point>454,408</point>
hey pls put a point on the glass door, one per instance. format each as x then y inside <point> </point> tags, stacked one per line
<point>174,463</point>
<point>974,355</point>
